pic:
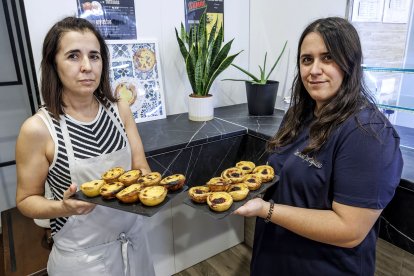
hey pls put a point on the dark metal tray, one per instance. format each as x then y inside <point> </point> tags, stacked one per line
<point>137,208</point>
<point>236,204</point>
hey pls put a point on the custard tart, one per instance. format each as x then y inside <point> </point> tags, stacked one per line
<point>219,201</point>
<point>113,174</point>
<point>245,166</point>
<point>218,184</point>
<point>234,175</point>
<point>109,190</point>
<point>252,181</point>
<point>92,188</point>
<point>266,172</point>
<point>130,177</point>
<point>152,195</point>
<point>238,191</point>
<point>150,179</point>
<point>130,194</point>
<point>199,194</point>
<point>173,182</point>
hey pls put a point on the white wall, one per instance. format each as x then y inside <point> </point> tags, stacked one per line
<point>159,23</point>
<point>274,22</point>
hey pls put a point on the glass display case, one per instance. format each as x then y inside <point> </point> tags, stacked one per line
<point>394,92</point>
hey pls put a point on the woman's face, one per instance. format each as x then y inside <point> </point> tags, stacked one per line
<point>79,63</point>
<point>320,75</point>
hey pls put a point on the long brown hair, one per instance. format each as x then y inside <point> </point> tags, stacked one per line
<point>51,85</point>
<point>343,44</point>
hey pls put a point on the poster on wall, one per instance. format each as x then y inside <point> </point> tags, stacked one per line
<point>135,76</point>
<point>367,10</point>
<point>396,11</point>
<point>115,19</point>
<point>195,8</point>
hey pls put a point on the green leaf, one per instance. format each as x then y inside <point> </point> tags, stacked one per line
<point>212,34</point>
<point>190,67</point>
<point>264,67</point>
<point>217,43</point>
<point>199,76</point>
<point>262,73</point>
<point>183,49</point>
<point>274,65</point>
<point>223,65</point>
<point>183,34</point>
<point>221,56</point>
<point>247,73</point>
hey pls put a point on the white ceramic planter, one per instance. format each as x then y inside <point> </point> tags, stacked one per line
<point>200,108</point>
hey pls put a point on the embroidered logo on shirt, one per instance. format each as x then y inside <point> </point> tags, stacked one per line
<point>312,161</point>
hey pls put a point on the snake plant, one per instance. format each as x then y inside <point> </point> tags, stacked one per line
<point>205,57</point>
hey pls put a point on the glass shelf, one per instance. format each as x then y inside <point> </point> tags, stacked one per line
<point>393,88</point>
<point>387,69</point>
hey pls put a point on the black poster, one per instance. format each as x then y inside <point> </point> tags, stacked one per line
<point>195,8</point>
<point>115,19</point>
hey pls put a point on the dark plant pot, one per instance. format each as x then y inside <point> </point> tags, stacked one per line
<point>261,98</point>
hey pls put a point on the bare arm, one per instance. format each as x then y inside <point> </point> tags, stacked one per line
<point>344,225</point>
<point>137,149</point>
<point>33,148</point>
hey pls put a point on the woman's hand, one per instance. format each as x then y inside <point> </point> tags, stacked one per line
<point>252,208</point>
<point>74,206</point>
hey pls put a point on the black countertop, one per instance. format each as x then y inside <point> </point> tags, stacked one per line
<point>177,132</point>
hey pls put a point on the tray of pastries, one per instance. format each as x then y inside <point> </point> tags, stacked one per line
<point>222,195</point>
<point>132,191</point>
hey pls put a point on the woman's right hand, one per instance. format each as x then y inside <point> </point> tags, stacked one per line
<point>74,206</point>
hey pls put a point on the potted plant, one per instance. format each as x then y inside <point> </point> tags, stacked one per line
<point>205,58</point>
<point>260,91</point>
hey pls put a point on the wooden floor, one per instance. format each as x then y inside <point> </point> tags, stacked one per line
<point>232,262</point>
<point>391,261</point>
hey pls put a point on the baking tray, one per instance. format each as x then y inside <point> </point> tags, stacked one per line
<point>236,204</point>
<point>137,207</point>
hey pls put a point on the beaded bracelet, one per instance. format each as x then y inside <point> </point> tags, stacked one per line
<point>269,214</point>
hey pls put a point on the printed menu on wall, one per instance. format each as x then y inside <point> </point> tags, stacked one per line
<point>195,8</point>
<point>115,19</point>
<point>367,10</point>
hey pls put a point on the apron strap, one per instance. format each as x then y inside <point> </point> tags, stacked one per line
<point>124,251</point>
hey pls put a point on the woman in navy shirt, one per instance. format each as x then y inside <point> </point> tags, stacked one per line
<point>338,160</point>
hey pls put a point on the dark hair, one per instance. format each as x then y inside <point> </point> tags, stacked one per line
<point>51,85</point>
<point>342,42</point>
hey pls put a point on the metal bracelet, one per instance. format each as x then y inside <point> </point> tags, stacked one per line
<point>269,214</point>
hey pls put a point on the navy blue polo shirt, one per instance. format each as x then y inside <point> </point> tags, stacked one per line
<point>355,168</point>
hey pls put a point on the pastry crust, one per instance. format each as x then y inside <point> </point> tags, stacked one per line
<point>234,175</point>
<point>218,184</point>
<point>266,172</point>
<point>130,194</point>
<point>245,166</point>
<point>173,182</point>
<point>92,188</point>
<point>238,191</point>
<point>252,181</point>
<point>109,190</point>
<point>219,201</point>
<point>153,195</point>
<point>127,92</point>
<point>113,174</point>
<point>144,60</point>
<point>199,194</point>
<point>130,177</point>
<point>150,179</point>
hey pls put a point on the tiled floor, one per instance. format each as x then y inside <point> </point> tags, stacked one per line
<point>391,261</point>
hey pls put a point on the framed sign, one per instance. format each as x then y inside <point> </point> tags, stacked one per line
<point>135,75</point>
<point>214,10</point>
<point>115,19</point>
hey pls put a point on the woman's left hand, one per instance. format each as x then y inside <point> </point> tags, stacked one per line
<point>252,208</point>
